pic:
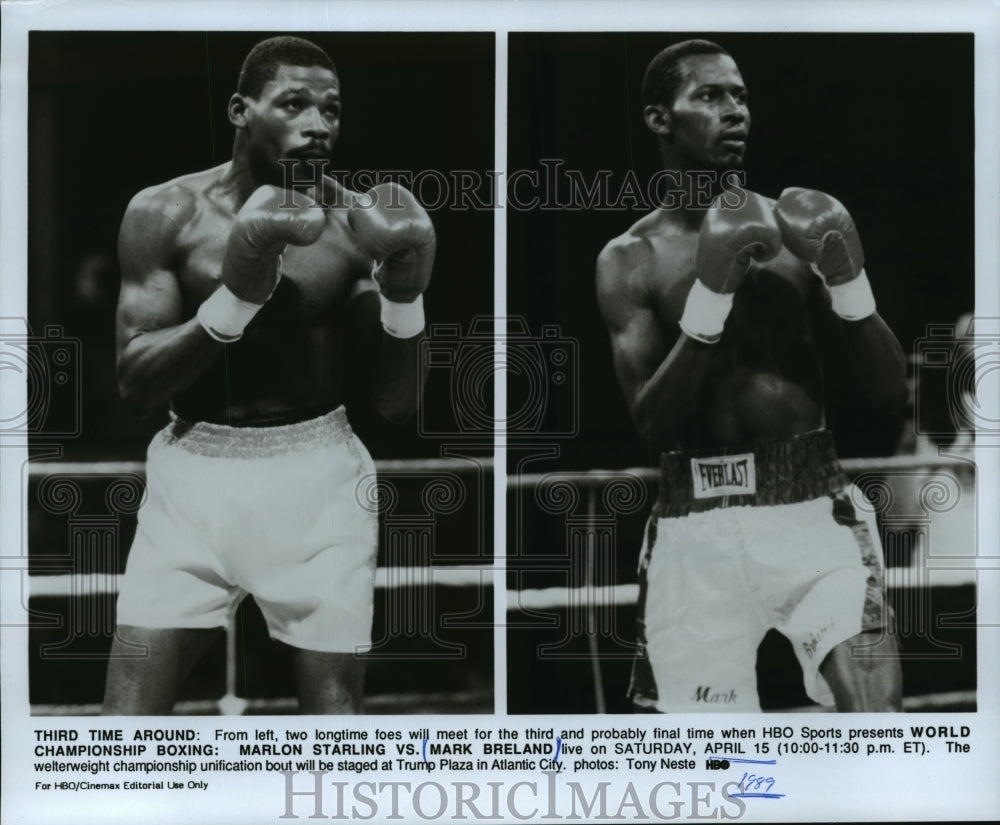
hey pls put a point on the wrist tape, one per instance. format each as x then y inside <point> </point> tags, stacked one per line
<point>705,313</point>
<point>853,301</point>
<point>402,320</point>
<point>224,316</point>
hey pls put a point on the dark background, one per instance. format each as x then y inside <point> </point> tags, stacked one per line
<point>885,123</point>
<point>113,112</point>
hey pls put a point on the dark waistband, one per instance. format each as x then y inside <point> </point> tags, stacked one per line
<point>796,469</point>
<point>223,441</point>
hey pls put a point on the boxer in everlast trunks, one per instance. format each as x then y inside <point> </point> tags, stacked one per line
<point>248,303</point>
<point>717,309</point>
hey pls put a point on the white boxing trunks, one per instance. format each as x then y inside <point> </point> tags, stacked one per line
<point>741,543</point>
<point>274,511</point>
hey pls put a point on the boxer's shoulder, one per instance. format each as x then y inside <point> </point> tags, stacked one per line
<point>651,254</point>
<point>623,276</point>
<point>160,220</point>
<point>161,204</point>
<point>166,208</point>
<point>152,221</point>
<point>626,252</point>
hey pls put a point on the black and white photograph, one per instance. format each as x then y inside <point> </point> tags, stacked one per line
<point>759,249</point>
<point>228,261</point>
<point>499,411</point>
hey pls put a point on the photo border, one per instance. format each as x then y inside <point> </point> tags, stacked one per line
<point>836,789</point>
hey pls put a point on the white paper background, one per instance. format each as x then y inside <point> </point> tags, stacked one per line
<point>828,789</point>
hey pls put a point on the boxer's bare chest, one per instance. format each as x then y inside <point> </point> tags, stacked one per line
<point>290,357</point>
<point>764,380</point>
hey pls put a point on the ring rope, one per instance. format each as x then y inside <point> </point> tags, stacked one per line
<point>591,597</point>
<point>93,584</point>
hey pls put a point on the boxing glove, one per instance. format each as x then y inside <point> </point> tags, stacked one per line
<point>729,238</point>
<point>817,228</point>
<point>270,219</point>
<point>393,228</point>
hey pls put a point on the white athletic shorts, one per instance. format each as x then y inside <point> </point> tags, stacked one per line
<point>278,512</point>
<point>741,543</point>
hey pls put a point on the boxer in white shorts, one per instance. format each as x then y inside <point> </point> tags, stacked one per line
<point>741,543</point>
<point>257,298</point>
<point>722,311</point>
<point>296,533</point>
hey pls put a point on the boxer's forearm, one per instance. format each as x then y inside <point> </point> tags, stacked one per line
<point>817,228</point>
<point>397,382</point>
<point>877,363</point>
<point>665,405</point>
<point>393,228</point>
<point>154,366</point>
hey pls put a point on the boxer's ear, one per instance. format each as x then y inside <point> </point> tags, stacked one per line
<point>237,110</point>
<point>659,120</point>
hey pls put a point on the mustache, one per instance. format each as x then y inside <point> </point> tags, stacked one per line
<point>310,152</point>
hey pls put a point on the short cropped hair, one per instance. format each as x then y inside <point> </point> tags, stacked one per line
<point>664,75</point>
<point>261,64</point>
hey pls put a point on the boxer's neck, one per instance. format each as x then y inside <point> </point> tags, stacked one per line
<point>692,188</point>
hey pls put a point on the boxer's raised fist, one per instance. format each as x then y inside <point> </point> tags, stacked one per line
<point>817,228</point>
<point>393,228</point>
<point>270,219</point>
<point>251,267</point>
<point>729,239</point>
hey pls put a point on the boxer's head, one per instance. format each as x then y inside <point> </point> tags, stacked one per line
<point>695,102</point>
<point>262,61</point>
<point>287,104</point>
